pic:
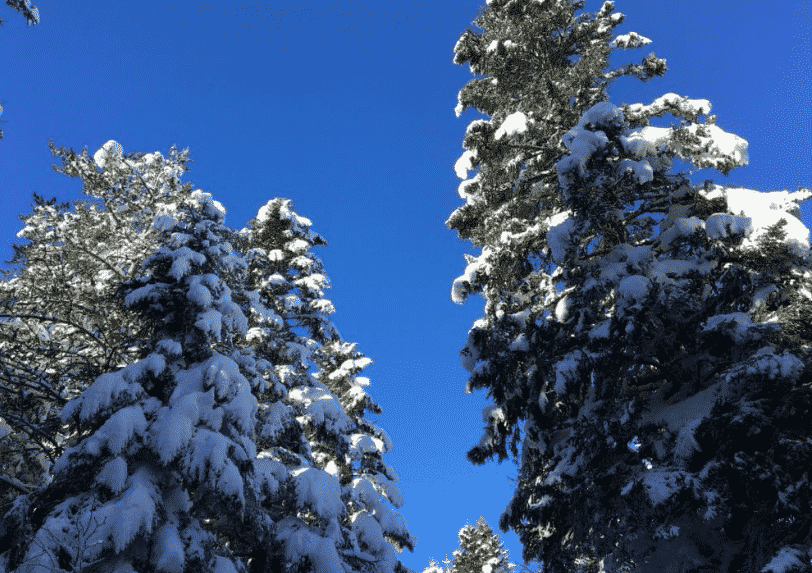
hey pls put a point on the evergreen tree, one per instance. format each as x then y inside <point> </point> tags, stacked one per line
<point>286,294</point>
<point>170,437</point>
<point>300,516</point>
<point>481,551</point>
<point>62,328</point>
<point>654,335</point>
<point>60,325</point>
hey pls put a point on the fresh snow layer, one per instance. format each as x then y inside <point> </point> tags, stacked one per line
<point>668,102</point>
<point>630,40</point>
<point>588,137</point>
<point>462,284</point>
<point>559,235</point>
<point>758,211</point>
<point>513,124</point>
<point>786,560</point>
<point>109,151</point>
<point>464,164</point>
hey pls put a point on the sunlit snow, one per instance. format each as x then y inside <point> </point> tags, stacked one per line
<point>513,124</point>
<point>110,151</point>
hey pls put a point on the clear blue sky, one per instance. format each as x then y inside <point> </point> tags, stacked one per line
<point>348,109</point>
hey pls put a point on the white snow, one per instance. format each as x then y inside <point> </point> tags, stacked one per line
<point>117,431</point>
<point>630,40</point>
<point>319,490</point>
<point>297,246</point>
<point>740,322</point>
<point>198,293</point>
<point>582,144</point>
<point>520,343</point>
<point>164,222</point>
<point>513,124</point>
<point>113,474</point>
<point>206,203</point>
<point>369,531</point>
<point>168,554</point>
<point>110,386</point>
<point>182,260</point>
<point>678,415</point>
<point>364,492</point>
<point>765,361</point>
<point>300,541</point>
<point>566,466</point>
<point>364,443</point>
<point>633,288</point>
<point>764,209</point>
<point>321,406</point>
<point>723,145</point>
<point>566,370</point>
<point>223,565</point>
<point>675,227</point>
<point>586,138</point>
<point>682,104</point>
<point>559,235</point>
<point>642,169</point>
<point>461,190</point>
<point>462,284</point>
<point>210,322</point>
<point>110,151</point>
<point>785,561</point>
<point>135,510</point>
<point>465,163</point>
<point>722,225</point>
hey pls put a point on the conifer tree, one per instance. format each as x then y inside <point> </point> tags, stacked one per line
<point>170,437</point>
<point>304,520</point>
<point>60,325</point>
<point>481,551</point>
<point>286,294</point>
<point>652,334</point>
<point>316,519</point>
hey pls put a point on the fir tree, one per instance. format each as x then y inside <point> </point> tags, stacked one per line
<point>170,437</point>
<point>285,293</point>
<point>481,551</point>
<point>300,518</point>
<point>61,325</point>
<point>652,334</point>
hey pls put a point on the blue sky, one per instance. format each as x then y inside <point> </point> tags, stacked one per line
<point>348,110</point>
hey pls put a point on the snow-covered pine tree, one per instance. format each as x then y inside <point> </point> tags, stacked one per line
<point>654,336</point>
<point>280,434</point>
<point>170,437</point>
<point>60,325</point>
<point>540,67</point>
<point>480,551</point>
<point>675,374</point>
<point>284,299</point>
